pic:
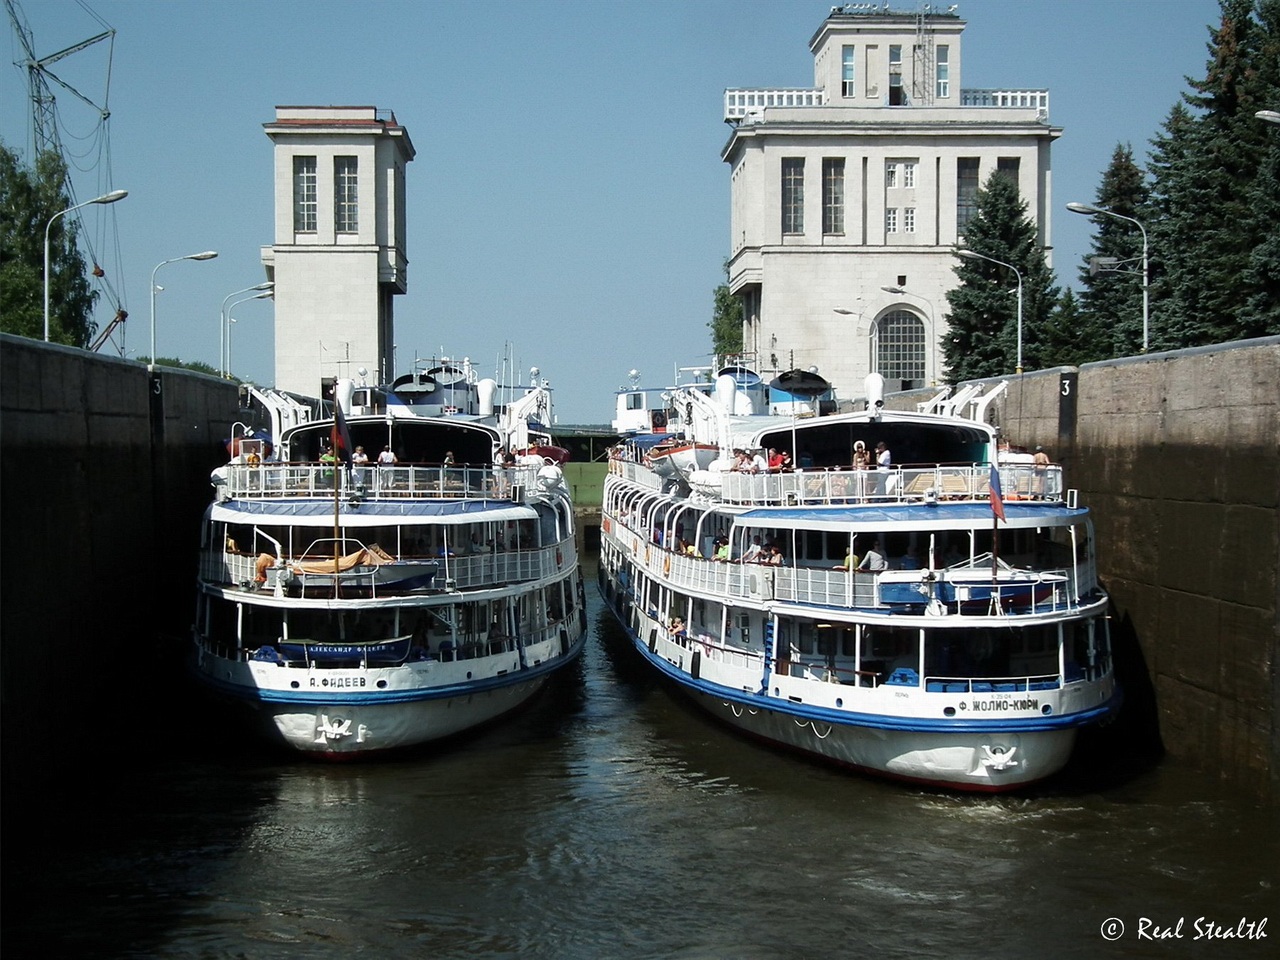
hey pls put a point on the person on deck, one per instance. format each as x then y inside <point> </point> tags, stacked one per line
<point>874,560</point>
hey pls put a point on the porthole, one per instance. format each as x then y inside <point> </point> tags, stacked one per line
<point>294,684</point>
<point>1047,709</point>
<point>382,684</point>
<point>949,712</point>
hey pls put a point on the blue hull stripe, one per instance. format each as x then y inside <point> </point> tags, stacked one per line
<point>336,696</point>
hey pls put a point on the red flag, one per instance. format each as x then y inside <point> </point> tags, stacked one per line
<point>339,437</point>
<point>997,499</point>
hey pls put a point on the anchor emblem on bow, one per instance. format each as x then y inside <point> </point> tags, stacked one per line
<point>332,730</point>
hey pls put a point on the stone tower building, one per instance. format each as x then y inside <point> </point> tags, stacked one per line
<point>339,253</point>
<point>848,199</point>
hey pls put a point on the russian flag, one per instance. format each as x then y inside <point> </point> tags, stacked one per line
<point>338,436</point>
<point>997,498</point>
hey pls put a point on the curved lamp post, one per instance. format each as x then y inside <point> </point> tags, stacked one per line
<point>222,321</point>
<point>1087,210</point>
<point>1271,116</point>
<point>224,356</point>
<point>972,255</point>
<point>207,255</point>
<point>111,197</point>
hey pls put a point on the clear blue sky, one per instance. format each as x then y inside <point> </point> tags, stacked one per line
<point>567,198</point>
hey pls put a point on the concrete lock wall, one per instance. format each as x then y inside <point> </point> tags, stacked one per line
<point>1178,456</point>
<point>103,480</point>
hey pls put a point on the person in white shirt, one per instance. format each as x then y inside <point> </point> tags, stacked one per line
<point>874,560</point>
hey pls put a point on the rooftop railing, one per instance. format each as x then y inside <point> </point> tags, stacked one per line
<point>904,484</point>
<point>270,480</point>
<point>739,103</point>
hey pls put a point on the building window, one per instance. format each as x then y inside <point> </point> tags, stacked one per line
<point>966,191</point>
<point>833,195</point>
<point>897,95</point>
<point>792,195</point>
<point>891,220</point>
<point>890,175</point>
<point>346,208</point>
<point>1008,167</point>
<point>899,347</point>
<point>909,220</point>
<point>944,72</point>
<point>846,72</point>
<point>304,194</point>
<point>909,174</point>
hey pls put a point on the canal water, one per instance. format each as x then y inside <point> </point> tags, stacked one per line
<point>612,820</point>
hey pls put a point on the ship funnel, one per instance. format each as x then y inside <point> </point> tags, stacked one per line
<point>726,391</point>
<point>875,392</point>
<point>342,393</point>
<point>485,391</point>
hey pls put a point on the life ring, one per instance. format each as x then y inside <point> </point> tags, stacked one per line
<point>559,558</point>
<point>659,419</point>
<point>666,567</point>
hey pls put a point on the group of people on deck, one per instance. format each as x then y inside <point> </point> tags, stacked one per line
<point>770,461</point>
<point>864,459</point>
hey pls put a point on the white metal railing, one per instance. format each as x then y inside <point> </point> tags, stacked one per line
<point>895,485</point>
<point>433,481</point>
<point>1009,99</point>
<point>461,572</point>
<point>1035,592</point>
<point>741,102</point>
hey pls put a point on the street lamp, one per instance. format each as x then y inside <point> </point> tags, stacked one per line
<point>222,321</point>
<point>207,255</point>
<point>973,255</point>
<point>1271,116</point>
<point>224,354</point>
<point>933,320</point>
<point>111,197</point>
<point>1146,277</point>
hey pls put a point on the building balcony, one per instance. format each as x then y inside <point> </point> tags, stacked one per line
<point>746,104</point>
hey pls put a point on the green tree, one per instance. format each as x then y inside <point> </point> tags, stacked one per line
<point>1210,235</point>
<point>726,321</point>
<point>982,334</point>
<point>1111,301</point>
<point>28,199</point>
<point>1069,339</point>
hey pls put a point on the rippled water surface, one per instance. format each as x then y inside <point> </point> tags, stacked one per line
<point>611,820</point>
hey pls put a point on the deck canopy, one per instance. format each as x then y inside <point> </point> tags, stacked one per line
<point>319,513</point>
<point>912,440</point>
<point>872,519</point>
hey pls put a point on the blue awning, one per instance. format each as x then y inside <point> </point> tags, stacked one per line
<point>885,517</point>
<point>379,513</point>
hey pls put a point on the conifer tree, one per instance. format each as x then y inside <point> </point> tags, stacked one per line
<point>1068,338</point>
<point>1209,235</point>
<point>982,335</point>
